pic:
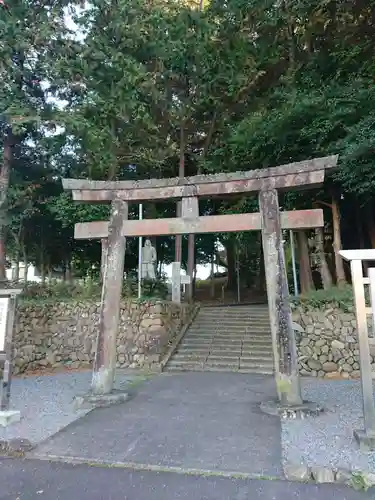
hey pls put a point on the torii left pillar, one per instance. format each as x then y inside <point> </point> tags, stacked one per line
<point>105,356</point>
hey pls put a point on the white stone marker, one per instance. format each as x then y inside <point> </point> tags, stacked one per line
<point>7,312</point>
<point>177,281</point>
<point>365,437</point>
<point>4,307</point>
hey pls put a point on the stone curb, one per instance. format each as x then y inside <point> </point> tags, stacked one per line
<point>135,466</point>
<point>91,401</point>
<point>303,473</point>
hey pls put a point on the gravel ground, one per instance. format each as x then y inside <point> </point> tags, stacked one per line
<point>328,440</point>
<point>45,403</point>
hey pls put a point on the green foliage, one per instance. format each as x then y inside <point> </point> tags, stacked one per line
<point>237,85</point>
<point>150,288</point>
<point>341,297</point>
<point>62,290</point>
<point>90,289</point>
<point>360,482</point>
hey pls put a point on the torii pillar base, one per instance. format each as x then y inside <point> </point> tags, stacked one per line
<point>290,411</point>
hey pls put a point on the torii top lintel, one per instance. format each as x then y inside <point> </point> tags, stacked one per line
<point>309,173</point>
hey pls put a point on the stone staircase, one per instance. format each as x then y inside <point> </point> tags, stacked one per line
<point>235,338</point>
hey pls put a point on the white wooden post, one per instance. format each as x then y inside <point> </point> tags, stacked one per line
<point>177,281</point>
<point>366,436</point>
<point>8,299</point>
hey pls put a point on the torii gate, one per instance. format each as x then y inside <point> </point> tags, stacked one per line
<point>270,220</point>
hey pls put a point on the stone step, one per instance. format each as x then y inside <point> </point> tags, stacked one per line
<point>191,355</point>
<point>222,333</point>
<point>184,366</point>
<point>201,368</point>
<point>234,313</point>
<point>201,346</point>
<point>222,359</point>
<point>194,347</point>
<point>223,336</point>
<point>259,371</point>
<point>226,339</point>
<point>226,366</point>
<point>248,315</point>
<point>220,329</point>
<point>262,354</point>
<point>215,340</point>
<point>257,341</point>
<point>232,322</point>
<point>261,334</point>
<point>256,358</point>
<point>256,366</point>
<point>214,351</point>
<point>194,368</point>
<point>232,317</point>
<point>197,339</point>
<point>257,348</point>
<point>233,325</point>
<point>246,338</point>
<point>219,343</point>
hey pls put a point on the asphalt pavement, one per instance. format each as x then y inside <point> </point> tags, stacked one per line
<point>42,480</point>
<point>205,421</point>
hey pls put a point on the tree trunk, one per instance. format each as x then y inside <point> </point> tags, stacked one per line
<point>370,220</point>
<point>191,265</point>
<point>25,263</point>
<point>260,280</point>
<point>42,261</point>
<point>68,271</point>
<point>231,264</point>
<point>16,276</point>
<point>323,264</point>
<point>361,236</point>
<point>181,173</point>
<point>339,265</point>
<point>212,282</point>
<point>4,185</point>
<point>306,280</point>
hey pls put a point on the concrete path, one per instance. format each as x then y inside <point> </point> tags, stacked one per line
<point>205,421</point>
<point>34,480</point>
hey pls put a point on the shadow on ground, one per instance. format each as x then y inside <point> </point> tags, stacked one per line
<point>206,421</point>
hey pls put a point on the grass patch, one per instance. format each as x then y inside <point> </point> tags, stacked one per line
<point>341,297</point>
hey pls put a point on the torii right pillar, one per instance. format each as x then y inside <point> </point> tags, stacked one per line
<point>283,337</point>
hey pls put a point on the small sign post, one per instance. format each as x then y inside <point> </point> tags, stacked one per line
<point>178,279</point>
<point>8,298</point>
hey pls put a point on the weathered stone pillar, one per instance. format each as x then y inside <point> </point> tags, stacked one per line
<point>105,356</point>
<point>283,339</point>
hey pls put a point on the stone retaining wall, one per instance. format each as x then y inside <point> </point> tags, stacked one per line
<point>64,334</point>
<point>327,342</point>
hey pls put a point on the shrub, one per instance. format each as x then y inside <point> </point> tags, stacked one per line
<point>342,297</point>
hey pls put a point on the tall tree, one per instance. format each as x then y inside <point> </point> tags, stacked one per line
<point>33,35</point>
